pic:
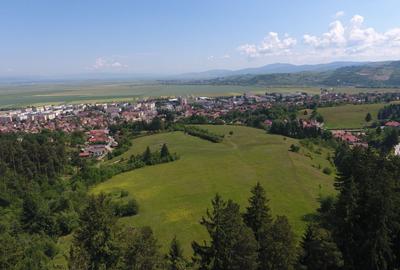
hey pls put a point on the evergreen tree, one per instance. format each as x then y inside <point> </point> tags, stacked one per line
<point>36,217</point>
<point>319,251</point>
<point>391,138</point>
<point>138,250</point>
<point>278,246</point>
<point>93,240</point>
<point>147,156</point>
<point>232,245</point>
<point>366,215</point>
<point>164,153</point>
<point>175,259</point>
<point>368,117</point>
<point>257,216</point>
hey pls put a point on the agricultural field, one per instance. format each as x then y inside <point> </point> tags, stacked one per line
<point>173,197</point>
<point>349,116</point>
<point>14,95</point>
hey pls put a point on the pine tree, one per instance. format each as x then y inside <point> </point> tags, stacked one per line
<point>319,252</point>
<point>93,240</point>
<point>278,246</point>
<point>257,216</point>
<point>232,245</point>
<point>368,117</point>
<point>366,215</point>
<point>175,259</point>
<point>147,156</point>
<point>164,153</point>
<point>138,249</point>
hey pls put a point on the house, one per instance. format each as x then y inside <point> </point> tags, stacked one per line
<point>349,138</point>
<point>97,150</point>
<point>268,122</point>
<point>84,154</point>
<point>392,124</point>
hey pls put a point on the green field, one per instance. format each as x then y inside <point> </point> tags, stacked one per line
<point>349,116</point>
<point>174,196</point>
<point>92,91</point>
<point>17,95</point>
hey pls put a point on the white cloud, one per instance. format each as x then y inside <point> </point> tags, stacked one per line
<point>271,45</point>
<point>214,58</point>
<point>103,63</point>
<point>355,39</point>
<point>335,35</point>
<point>339,14</point>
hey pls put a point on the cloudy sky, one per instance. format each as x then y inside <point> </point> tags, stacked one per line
<point>165,37</point>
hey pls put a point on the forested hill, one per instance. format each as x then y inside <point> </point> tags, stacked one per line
<point>378,74</point>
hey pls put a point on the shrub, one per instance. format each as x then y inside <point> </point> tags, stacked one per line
<point>327,170</point>
<point>125,209</point>
<point>124,193</point>
<point>294,148</point>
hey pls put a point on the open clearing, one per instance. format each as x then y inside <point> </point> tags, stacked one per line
<point>349,116</point>
<point>172,197</point>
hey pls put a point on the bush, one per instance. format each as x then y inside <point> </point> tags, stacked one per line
<point>125,209</point>
<point>124,193</point>
<point>327,171</point>
<point>294,148</point>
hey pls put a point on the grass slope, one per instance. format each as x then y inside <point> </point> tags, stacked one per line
<point>174,196</point>
<point>349,116</point>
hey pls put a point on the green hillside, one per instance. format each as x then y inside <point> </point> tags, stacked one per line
<point>174,196</point>
<point>349,116</point>
<point>375,74</point>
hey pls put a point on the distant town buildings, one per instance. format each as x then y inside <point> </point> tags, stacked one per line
<point>95,119</point>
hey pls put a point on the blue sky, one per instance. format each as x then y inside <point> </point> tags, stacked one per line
<point>39,37</point>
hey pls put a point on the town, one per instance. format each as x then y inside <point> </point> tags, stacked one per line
<point>95,119</point>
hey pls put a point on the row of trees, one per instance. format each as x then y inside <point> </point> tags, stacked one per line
<point>256,118</point>
<point>203,134</point>
<point>295,129</point>
<point>391,111</point>
<point>91,174</point>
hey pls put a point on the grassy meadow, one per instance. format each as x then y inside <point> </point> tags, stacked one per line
<point>173,197</point>
<point>349,116</point>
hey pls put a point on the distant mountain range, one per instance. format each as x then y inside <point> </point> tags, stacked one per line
<point>337,74</point>
<point>267,69</point>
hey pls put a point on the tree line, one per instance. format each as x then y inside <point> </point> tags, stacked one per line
<point>91,174</point>
<point>203,134</point>
<point>391,112</point>
<point>295,129</point>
